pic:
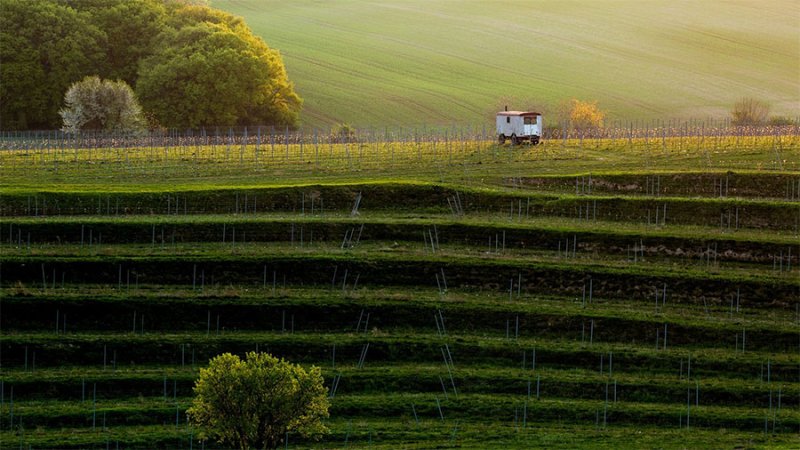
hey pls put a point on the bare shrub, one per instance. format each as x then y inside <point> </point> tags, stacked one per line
<point>750,111</point>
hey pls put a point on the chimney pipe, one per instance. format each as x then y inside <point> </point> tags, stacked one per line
<point>506,107</point>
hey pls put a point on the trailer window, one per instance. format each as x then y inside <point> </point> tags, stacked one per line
<point>508,119</point>
<point>530,120</point>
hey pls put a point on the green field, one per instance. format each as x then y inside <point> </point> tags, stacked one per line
<point>412,62</point>
<point>615,293</point>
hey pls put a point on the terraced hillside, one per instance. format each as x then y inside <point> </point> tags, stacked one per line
<point>487,303</point>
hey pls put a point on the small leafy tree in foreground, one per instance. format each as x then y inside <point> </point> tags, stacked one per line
<point>97,104</point>
<point>749,111</point>
<point>253,403</point>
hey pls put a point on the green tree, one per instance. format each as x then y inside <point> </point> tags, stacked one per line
<point>192,65</point>
<point>131,28</point>
<point>212,70</point>
<point>97,104</point>
<point>253,403</point>
<point>44,47</point>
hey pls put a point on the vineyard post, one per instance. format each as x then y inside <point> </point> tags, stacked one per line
<point>630,134</point>
<point>301,137</point>
<point>272,140</point>
<point>743,339</point>
<point>574,244</point>
<point>258,145</point>
<point>688,405</point>
<point>286,138</point>
<point>605,408</point>
<point>444,389</point>
<point>583,298</point>
<point>243,147</point>
<point>228,142</point>
<point>768,371</point>
<point>697,393</point>
<point>94,405</point>
<point>525,415</point>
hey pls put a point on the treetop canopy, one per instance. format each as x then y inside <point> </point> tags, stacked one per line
<point>190,65</point>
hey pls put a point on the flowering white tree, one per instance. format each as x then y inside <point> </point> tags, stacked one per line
<point>95,104</point>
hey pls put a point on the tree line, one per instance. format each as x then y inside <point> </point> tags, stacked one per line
<point>190,65</point>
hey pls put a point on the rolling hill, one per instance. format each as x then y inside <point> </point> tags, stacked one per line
<point>408,62</point>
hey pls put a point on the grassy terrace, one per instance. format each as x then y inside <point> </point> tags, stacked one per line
<point>469,160</point>
<point>429,432</point>
<point>455,295</point>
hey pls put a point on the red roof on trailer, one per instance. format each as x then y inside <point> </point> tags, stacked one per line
<point>518,113</point>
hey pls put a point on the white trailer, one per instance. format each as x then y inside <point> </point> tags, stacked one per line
<point>519,126</point>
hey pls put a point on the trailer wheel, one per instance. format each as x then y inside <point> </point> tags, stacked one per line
<point>514,139</point>
<point>535,140</point>
<point>501,139</point>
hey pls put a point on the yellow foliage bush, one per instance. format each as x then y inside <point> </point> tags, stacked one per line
<point>585,114</point>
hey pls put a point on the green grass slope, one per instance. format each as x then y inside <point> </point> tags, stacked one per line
<point>407,62</point>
